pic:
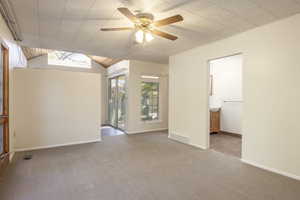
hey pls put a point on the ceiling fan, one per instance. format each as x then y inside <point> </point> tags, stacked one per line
<point>145,25</point>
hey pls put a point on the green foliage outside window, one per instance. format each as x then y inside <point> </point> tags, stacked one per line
<point>150,101</point>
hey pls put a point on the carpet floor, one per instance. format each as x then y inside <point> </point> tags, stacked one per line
<point>139,167</point>
<point>226,143</point>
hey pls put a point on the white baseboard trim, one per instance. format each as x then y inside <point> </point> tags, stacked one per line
<point>293,176</point>
<point>11,156</point>
<point>179,138</point>
<point>56,145</point>
<point>146,131</point>
<point>184,140</point>
<point>199,146</point>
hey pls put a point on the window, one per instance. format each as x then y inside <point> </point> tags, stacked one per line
<point>150,101</point>
<point>69,59</point>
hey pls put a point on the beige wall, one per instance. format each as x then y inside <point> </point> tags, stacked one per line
<point>133,70</point>
<point>16,59</point>
<point>54,107</point>
<point>41,62</point>
<point>271,88</point>
<point>136,70</point>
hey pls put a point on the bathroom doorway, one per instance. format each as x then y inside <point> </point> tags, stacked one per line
<point>225,104</point>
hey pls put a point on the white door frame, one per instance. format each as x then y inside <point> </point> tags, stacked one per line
<point>208,92</point>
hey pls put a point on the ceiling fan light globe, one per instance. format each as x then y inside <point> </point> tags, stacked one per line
<point>139,36</point>
<point>148,37</point>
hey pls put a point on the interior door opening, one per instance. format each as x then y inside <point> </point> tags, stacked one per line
<point>225,104</point>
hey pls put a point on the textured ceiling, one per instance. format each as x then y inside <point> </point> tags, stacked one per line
<point>74,25</point>
<point>31,53</point>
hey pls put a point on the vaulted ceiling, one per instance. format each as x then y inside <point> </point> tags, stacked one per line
<point>31,53</point>
<point>74,25</point>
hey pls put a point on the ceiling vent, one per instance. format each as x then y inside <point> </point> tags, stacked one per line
<point>9,16</point>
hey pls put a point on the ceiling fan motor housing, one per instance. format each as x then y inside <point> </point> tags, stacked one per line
<point>144,24</point>
<point>145,18</point>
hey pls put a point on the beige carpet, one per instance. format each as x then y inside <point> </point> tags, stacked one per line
<point>226,143</point>
<point>140,167</point>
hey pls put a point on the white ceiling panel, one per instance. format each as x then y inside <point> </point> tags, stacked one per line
<point>190,5</point>
<point>100,12</point>
<point>50,16</point>
<point>246,10</point>
<point>142,5</point>
<point>197,5</point>
<point>27,16</point>
<point>77,8</point>
<point>279,8</point>
<point>216,15</point>
<point>88,29</point>
<point>32,40</point>
<point>70,26</point>
<point>51,9</point>
<point>49,27</point>
<point>75,24</point>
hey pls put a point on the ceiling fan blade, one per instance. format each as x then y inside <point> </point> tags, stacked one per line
<point>117,29</point>
<point>126,12</point>
<point>164,35</point>
<point>169,20</point>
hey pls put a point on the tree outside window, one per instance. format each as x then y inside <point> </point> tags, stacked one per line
<point>150,101</point>
<point>69,59</point>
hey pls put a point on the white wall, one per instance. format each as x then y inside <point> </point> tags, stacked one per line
<point>16,59</point>
<point>137,69</point>
<point>271,95</point>
<point>54,107</point>
<point>41,62</point>
<point>227,91</point>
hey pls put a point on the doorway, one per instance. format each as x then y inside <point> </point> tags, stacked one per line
<point>225,104</point>
<point>117,102</point>
<point>4,128</point>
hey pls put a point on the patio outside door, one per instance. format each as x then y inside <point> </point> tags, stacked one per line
<point>117,101</point>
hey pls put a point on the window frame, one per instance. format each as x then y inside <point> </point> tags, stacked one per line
<point>60,63</point>
<point>146,80</point>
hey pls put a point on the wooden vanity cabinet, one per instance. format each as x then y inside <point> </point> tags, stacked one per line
<point>214,121</point>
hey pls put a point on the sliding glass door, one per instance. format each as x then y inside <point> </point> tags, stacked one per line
<point>113,102</point>
<point>117,101</point>
<point>121,102</point>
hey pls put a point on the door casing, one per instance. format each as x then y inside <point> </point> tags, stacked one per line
<point>4,116</point>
